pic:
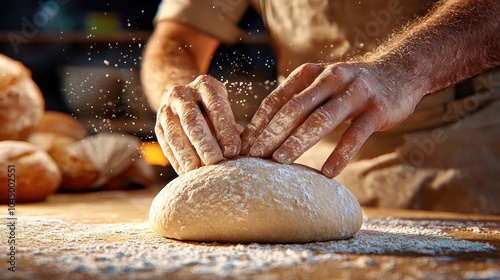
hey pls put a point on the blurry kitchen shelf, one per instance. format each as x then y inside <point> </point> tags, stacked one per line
<point>122,36</point>
<point>81,37</point>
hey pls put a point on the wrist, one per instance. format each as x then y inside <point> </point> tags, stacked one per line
<point>397,76</point>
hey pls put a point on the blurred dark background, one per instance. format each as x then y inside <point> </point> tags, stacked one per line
<point>85,56</point>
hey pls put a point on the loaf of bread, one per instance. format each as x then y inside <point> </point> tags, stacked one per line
<point>105,161</point>
<point>29,174</point>
<point>78,172</point>
<point>21,102</point>
<point>111,153</point>
<point>49,140</point>
<point>61,123</point>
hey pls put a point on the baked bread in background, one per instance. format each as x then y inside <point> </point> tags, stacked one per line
<point>78,172</point>
<point>59,134</point>
<point>21,102</point>
<point>104,161</point>
<point>61,123</point>
<point>53,150</point>
<point>36,174</point>
<point>48,140</point>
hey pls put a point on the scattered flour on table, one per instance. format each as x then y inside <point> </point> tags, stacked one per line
<point>124,248</point>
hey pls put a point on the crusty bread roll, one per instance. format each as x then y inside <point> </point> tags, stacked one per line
<point>48,140</point>
<point>106,161</point>
<point>21,102</point>
<point>32,170</point>
<point>111,153</point>
<point>61,123</point>
<point>78,172</point>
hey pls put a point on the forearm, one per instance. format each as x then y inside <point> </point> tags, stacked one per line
<point>458,40</point>
<point>175,55</point>
<point>165,63</point>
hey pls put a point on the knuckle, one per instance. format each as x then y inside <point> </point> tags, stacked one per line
<point>190,114</point>
<point>271,100</point>
<point>213,101</point>
<point>338,70</point>
<point>309,68</point>
<point>162,111</point>
<point>176,89</point>
<point>209,87</point>
<point>158,128</point>
<point>170,133</point>
<point>175,92</point>
<point>354,136</point>
<point>205,79</point>
<point>379,108</point>
<point>295,107</point>
<point>323,117</point>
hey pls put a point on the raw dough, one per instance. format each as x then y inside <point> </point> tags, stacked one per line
<point>254,200</point>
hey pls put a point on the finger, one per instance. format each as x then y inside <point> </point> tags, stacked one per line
<point>298,80</point>
<point>351,141</point>
<point>167,151</point>
<point>214,97</point>
<point>319,124</point>
<point>329,83</point>
<point>196,128</point>
<point>183,152</point>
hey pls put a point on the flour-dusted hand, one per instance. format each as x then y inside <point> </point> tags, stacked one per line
<point>457,40</point>
<point>314,100</point>
<point>195,125</point>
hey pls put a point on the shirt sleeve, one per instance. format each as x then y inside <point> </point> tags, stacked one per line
<point>217,18</point>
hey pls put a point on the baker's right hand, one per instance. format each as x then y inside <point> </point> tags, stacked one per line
<point>195,125</point>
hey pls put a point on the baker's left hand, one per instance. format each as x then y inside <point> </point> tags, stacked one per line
<point>316,98</point>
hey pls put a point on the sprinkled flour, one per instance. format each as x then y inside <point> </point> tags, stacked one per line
<point>125,248</point>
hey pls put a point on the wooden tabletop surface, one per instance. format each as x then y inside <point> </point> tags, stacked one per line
<point>98,209</point>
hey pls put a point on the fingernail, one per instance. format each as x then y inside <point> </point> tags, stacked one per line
<point>328,169</point>
<point>187,167</point>
<point>281,157</point>
<point>256,150</point>
<point>229,151</point>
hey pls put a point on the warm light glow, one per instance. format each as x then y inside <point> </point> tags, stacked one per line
<point>152,153</point>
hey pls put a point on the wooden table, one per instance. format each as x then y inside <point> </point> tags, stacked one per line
<point>105,235</point>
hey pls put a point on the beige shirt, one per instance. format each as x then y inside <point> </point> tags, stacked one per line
<point>301,30</point>
<point>315,31</point>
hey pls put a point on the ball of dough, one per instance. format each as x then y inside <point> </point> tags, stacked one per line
<point>61,123</point>
<point>255,200</point>
<point>36,175</point>
<point>21,102</point>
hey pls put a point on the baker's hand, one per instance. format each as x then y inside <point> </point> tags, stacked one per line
<point>315,99</point>
<point>195,125</point>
